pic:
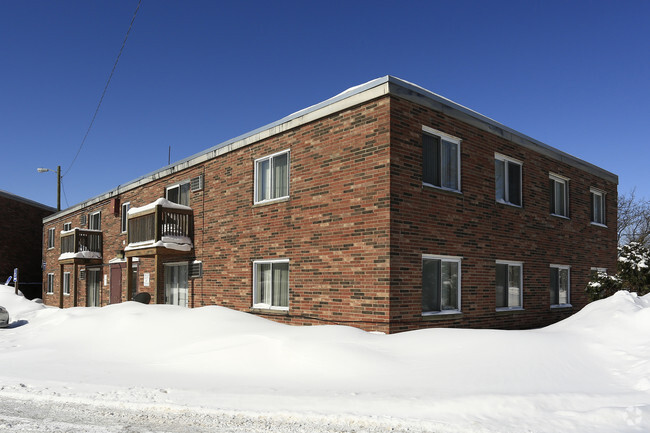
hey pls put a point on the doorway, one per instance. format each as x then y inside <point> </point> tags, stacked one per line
<point>176,284</point>
<point>94,277</point>
<point>116,283</point>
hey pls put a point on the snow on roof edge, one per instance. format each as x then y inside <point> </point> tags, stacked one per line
<point>215,151</point>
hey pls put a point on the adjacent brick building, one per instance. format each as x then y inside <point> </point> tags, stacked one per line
<point>20,241</point>
<point>386,207</point>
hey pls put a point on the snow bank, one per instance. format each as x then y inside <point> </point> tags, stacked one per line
<point>588,373</point>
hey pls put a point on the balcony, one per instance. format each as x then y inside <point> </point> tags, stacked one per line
<point>81,246</point>
<point>161,226</point>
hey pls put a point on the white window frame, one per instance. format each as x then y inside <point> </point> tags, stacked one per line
<point>66,283</point>
<point>568,289</point>
<point>600,193</point>
<point>124,218</point>
<point>67,226</point>
<point>565,181</point>
<point>443,136</point>
<point>256,263</point>
<point>506,178</point>
<point>91,218</point>
<point>51,233</point>
<point>520,265</point>
<point>256,192</point>
<point>50,284</point>
<point>179,185</point>
<point>451,259</point>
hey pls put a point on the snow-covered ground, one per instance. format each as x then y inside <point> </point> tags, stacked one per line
<point>157,368</point>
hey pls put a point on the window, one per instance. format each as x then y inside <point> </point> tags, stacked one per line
<point>560,285</point>
<point>50,238</point>
<point>67,226</point>
<point>271,284</point>
<point>440,284</point>
<point>507,173</point>
<point>559,187</point>
<point>440,159</point>
<point>179,194</point>
<point>50,284</point>
<point>597,206</point>
<point>66,283</point>
<point>95,221</point>
<point>509,285</point>
<point>272,177</point>
<point>125,214</point>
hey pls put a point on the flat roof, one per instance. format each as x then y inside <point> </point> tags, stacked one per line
<point>387,85</point>
<point>26,201</point>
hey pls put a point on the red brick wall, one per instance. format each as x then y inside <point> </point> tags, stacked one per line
<point>358,221</point>
<point>471,224</point>
<point>334,227</point>
<point>20,243</point>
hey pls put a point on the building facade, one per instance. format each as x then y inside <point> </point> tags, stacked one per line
<point>20,241</point>
<point>386,207</point>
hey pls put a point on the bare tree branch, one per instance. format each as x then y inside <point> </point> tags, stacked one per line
<point>633,219</point>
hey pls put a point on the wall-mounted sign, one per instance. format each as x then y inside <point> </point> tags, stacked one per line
<point>146,279</point>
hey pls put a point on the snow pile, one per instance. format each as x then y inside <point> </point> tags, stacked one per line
<point>588,373</point>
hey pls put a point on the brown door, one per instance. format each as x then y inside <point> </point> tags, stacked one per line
<point>116,284</point>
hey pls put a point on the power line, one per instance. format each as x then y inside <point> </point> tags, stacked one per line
<point>105,88</point>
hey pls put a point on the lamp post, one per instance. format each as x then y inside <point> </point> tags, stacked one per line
<point>58,184</point>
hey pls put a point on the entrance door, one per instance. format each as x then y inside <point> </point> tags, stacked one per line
<point>94,277</point>
<point>176,284</point>
<point>116,284</point>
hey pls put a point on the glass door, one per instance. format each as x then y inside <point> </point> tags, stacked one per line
<point>176,292</point>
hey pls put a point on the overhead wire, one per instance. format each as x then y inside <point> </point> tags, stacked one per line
<point>92,121</point>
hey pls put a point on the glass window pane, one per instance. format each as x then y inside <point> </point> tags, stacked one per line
<point>185,194</point>
<point>500,179</point>
<point>514,183</point>
<point>554,286</point>
<point>514,286</point>
<point>563,286</point>
<point>449,166</point>
<point>280,284</point>
<point>263,284</point>
<point>263,180</point>
<point>449,286</point>
<point>281,175</point>
<point>560,198</point>
<point>431,159</point>
<point>172,194</point>
<point>430,285</point>
<point>502,283</point>
<point>598,209</point>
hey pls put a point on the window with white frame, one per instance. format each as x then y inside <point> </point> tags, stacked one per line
<point>559,188</point>
<point>560,285</point>
<point>50,238</point>
<point>440,284</point>
<point>125,216</point>
<point>67,226</point>
<point>50,284</point>
<point>66,283</point>
<point>507,173</point>
<point>509,285</point>
<point>271,284</point>
<point>179,193</point>
<point>95,221</point>
<point>597,206</point>
<point>272,177</point>
<point>440,159</point>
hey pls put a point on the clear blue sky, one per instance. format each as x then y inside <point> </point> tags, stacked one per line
<point>572,74</point>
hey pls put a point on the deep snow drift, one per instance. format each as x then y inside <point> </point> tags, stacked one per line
<point>589,373</point>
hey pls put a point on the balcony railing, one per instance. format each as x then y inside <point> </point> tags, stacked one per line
<point>80,243</point>
<point>158,225</point>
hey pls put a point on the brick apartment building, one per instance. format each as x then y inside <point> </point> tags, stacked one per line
<point>20,241</point>
<point>386,207</point>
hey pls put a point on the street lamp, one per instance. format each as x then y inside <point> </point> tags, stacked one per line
<point>58,183</point>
